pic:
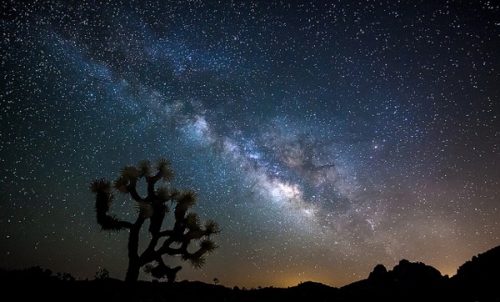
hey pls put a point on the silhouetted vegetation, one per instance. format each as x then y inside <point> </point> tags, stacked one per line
<point>476,280</point>
<point>154,207</point>
<point>102,274</point>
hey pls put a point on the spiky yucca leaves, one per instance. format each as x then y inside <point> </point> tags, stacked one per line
<point>144,168</point>
<point>130,173</point>
<point>197,262</point>
<point>165,169</point>
<point>121,184</point>
<point>207,246</point>
<point>185,200</point>
<point>174,194</point>
<point>163,194</point>
<point>193,222</point>
<point>211,227</point>
<point>197,259</point>
<point>100,185</point>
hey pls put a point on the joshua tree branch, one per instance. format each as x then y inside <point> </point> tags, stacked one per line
<point>196,234</point>
<point>152,180</point>
<point>149,253</point>
<point>166,249</point>
<point>108,222</point>
<point>126,224</point>
<point>133,190</point>
<point>166,233</point>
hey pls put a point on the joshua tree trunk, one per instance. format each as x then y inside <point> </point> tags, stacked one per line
<point>132,271</point>
<point>134,264</point>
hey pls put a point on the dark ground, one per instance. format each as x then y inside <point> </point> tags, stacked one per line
<point>476,280</point>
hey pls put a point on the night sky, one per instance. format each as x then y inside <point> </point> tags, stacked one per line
<point>324,137</point>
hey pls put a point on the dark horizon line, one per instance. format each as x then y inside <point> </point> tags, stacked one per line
<point>58,274</point>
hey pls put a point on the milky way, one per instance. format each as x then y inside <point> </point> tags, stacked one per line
<point>324,137</point>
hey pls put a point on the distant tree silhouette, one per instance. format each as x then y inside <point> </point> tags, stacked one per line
<point>102,274</point>
<point>154,207</point>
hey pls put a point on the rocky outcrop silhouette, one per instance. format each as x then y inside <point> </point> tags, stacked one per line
<point>378,273</point>
<point>479,278</point>
<point>476,280</point>
<point>408,281</point>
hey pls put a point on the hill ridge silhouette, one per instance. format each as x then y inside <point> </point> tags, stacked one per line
<point>476,280</point>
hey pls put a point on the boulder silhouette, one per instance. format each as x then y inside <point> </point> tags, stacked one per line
<point>415,275</point>
<point>378,273</point>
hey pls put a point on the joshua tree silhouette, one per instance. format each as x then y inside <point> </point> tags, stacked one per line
<point>154,206</point>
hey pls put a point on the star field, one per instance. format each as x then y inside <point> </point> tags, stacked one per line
<point>324,136</point>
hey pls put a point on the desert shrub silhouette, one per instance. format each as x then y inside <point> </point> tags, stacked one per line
<point>154,207</point>
<point>101,274</point>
